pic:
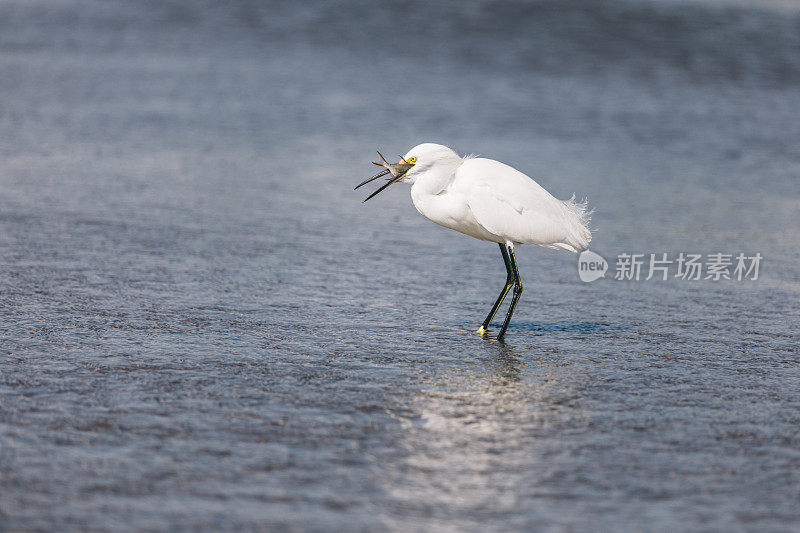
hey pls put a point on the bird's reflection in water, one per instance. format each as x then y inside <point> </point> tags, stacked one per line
<point>485,430</point>
<point>506,363</point>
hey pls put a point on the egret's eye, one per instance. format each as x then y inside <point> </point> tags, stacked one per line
<point>412,159</point>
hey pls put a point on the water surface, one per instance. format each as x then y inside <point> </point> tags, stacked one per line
<point>203,327</point>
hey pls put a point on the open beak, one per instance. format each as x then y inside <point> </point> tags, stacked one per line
<point>397,170</point>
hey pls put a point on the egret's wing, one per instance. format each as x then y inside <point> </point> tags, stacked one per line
<point>503,216</point>
<point>511,205</point>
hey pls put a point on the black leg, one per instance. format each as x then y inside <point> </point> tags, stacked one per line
<point>515,297</point>
<point>509,282</point>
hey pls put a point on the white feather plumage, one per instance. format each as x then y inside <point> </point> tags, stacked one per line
<point>492,201</point>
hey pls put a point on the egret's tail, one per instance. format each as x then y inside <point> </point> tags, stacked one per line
<point>578,218</point>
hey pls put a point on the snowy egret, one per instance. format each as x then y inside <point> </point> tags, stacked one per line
<point>491,201</point>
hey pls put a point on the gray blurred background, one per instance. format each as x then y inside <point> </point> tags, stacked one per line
<point>203,327</point>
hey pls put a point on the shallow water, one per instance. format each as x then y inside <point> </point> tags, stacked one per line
<point>202,326</point>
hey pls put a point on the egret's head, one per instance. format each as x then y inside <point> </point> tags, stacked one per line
<point>426,156</point>
<point>419,159</point>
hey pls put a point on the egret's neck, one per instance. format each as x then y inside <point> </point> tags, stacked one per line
<point>436,178</point>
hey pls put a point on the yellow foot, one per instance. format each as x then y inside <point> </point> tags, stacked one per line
<point>481,331</point>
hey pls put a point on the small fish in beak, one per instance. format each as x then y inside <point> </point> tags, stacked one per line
<point>397,170</point>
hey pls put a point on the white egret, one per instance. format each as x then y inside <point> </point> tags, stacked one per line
<point>491,201</point>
